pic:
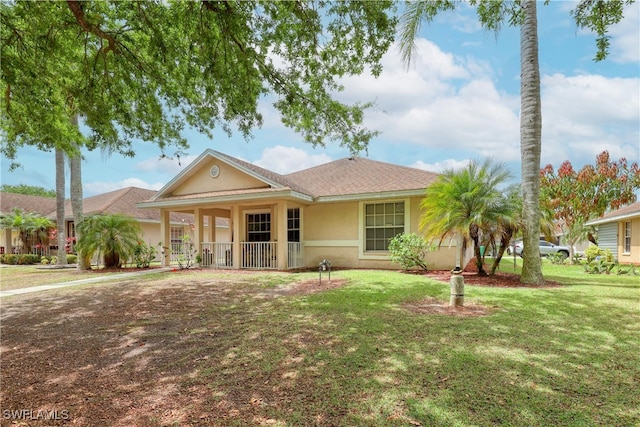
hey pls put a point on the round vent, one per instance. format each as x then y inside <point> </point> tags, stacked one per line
<point>214,171</point>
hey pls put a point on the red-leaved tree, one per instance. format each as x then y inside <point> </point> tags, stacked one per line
<point>577,197</point>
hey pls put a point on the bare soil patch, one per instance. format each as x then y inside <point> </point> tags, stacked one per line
<point>433,306</point>
<point>471,277</point>
<point>162,352</point>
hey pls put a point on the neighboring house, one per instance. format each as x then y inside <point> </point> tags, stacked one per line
<point>344,211</point>
<point>34,204</point>
<point>124,202</point>
<point>619,231</point>
<point>121,201</point>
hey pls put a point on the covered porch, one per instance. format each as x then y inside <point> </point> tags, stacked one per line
<point>260,236</point>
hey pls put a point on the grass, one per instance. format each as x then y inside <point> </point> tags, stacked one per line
<point>22,276</point>
<point>564,356</point>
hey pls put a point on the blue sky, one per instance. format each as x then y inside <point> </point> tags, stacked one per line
<point>459,100</point>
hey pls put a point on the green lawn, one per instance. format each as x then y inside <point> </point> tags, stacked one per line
<point>354,356</point>
<point>557,356</point>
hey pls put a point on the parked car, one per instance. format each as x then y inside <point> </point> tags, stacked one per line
<point>545,247</point>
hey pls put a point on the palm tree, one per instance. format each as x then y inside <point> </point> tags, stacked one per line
<point>492,15</point>
<point>112,237</point>
<point>467,203</point>
<point>60,217</point>
<point>32,228</point>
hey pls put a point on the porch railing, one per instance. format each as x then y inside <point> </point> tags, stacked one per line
<point>254,255</point>
<point>294,255</point>
<point>217,255</point>
<point>260,255</point>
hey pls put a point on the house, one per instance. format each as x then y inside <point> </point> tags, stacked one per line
<point>619,231</point>
<point>345,211</point>
<point>35,204</point>
<point>122,201</point>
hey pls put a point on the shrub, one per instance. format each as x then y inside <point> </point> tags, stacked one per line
<point>557,259</point>
<point>143,254</point>
<point>409,250</point>
<point>28,259</point>
<point>45,261</point>
<point>72,258</point>
<point>593,252</point>
<point>10,259</point>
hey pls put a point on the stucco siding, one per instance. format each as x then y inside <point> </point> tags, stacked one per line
<point>331,221</point>
<point>333,231</point>
<point>228,179</point>
<point>632,256</point>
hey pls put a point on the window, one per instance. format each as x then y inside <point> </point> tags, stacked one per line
<point>293,225</point>
<point>383,221</point>
<point>259,227</point>
<point>177,233</point>
<point>627,237</point>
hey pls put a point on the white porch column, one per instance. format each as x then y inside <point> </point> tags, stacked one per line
<point>237,237</point>
<point>198,232</point>
<point>7,240</point>
<point>165,236</point>
<point>282,227</point>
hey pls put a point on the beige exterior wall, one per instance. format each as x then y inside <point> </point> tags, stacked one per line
<point>228,179</point>
<point>632,257</point>
<point>335,231</point>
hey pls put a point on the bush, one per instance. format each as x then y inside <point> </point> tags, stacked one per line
<point>72,259</point>
<point>594,252</point>
<point>557,259</point>
<point>409,250</point>
<point>143,254</point>
<point>9,259</point>
<point>28,259</point>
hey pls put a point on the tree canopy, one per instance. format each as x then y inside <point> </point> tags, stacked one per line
<point>467,202</point>
<point>145,70</point>
<point>30,190</point>
<point>576,197</point>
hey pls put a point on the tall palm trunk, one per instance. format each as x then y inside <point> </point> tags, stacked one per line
<point>60,215</point>
<point>75,163</point>
<point>530,143</point>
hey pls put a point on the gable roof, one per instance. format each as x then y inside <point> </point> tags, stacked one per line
<point>360,176</point>
<point>344,179</point>
<point>624,213</point>
<point>122,201</point>
<point>36,204</point>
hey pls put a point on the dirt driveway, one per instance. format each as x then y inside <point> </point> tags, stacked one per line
<point>138,353</point>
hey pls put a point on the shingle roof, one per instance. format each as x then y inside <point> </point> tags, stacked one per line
<point>630,211</point>
<point>36,204</point>
<point>359,175</point>
<point>121,201</point>
<point>348,177</point>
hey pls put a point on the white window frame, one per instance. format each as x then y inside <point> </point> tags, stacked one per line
<point>379,255</point>
<point>626,244</point>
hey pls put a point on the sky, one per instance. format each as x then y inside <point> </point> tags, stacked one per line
<point>457,101</point>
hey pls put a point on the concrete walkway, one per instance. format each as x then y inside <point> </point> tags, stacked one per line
<point>80,282</point>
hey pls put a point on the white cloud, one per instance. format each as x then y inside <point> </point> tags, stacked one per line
<point>99,187</point>
<point>441,166</point>
<point>286,160</point>
<point>625,37</point>
<point>584,115</point>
